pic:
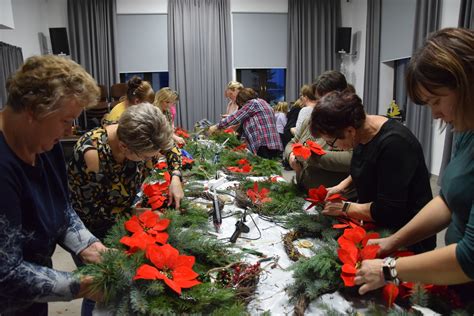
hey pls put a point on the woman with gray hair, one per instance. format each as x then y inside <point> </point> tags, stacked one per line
<point>44,97</point>
<point>109,166</point>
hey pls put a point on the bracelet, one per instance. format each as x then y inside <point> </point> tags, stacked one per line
<point>389,270</point>
<point>345,208</point>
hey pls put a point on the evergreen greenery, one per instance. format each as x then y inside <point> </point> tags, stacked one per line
<point>317,275</point>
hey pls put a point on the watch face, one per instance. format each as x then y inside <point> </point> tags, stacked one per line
<point>387,275</point>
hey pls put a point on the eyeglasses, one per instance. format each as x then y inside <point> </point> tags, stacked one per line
<point>333,142</point>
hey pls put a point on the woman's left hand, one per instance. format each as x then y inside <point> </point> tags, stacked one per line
<point>93,253</point>
<point>176,192</point>
<point>333,208</point>
<point>370,276</point>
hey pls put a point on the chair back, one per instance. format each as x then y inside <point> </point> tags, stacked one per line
<point>117,91</point>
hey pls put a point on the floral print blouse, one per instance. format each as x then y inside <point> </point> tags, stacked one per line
<point>99,198</point>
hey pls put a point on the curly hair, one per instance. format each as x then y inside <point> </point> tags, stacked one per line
<point>446,60</point>
<point>140,90</point>
<point>43,82</point>
<point>143,128</point>
<point>335,112</point>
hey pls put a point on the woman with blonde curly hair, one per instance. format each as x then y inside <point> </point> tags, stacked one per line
<point>165,100</point>
<point>45,96</point>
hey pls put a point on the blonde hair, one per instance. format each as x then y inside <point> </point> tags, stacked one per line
<point>43,82</point>
<point>143,128</point>
<point>165,95</point>
<point>307,91</point>
<point>233,85</point>
<point>139,89</point>
<point>281,107</point>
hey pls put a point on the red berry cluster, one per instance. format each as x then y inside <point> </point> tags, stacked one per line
<point>239,275</point>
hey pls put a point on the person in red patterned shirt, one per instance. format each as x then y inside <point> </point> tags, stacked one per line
<point>258,122</point>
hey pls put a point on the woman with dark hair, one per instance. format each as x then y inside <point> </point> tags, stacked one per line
<point>138,91</point>
<point>440,74</point>
<point>387,168</point>
<point>258,124</point>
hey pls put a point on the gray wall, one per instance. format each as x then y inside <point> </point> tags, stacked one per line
<point>142,42</point>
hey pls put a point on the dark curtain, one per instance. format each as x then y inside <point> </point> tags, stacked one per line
<point>418,118</point>
<point>199,57</point>
<point>92,34</point>
<point>372,56</point>
<point>11,58</point>
<point>466,14</point>
<point>311,41</point>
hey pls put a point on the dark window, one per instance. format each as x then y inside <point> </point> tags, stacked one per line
<point>268,83</point>
<point>158,80</point>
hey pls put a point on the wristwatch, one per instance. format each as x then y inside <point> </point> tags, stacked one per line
<point>345,207</point>
<point>389,270</point>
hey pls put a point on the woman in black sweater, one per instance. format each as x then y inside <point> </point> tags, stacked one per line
<point>387,169</point>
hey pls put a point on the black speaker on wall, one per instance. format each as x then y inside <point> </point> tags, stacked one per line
<point>59,42</point>
<point>343,39</point>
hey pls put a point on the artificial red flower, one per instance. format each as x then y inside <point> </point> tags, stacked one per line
<point>242,162</point>
<point>171,267</point>
<point>258,197</point>
<point>181,132</point>
<point>245,166</point>
<point>229,130</point>
<point>186,161</point>
<point>390,293</point>
<point>317,197</point>
<point>315,148</point>
<point>161,165</point>
<point>147,229</point>
<point>157,192</point>
<point>299,150</point>
<point>345,223</point>
<point>353,249</point>
<point>243,146</point>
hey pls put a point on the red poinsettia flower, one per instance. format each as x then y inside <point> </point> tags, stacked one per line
<point>258,196</point>
<point>147,228</point>
<point>171,267</point>
<point>390,293</point>
<point>315,148</point>
<point>240,147</point>
<point>245,167</point>
<point>161,165</point>
<point>181,132</point>
<point>229,130</point>
<point>301,151</point>
<point>345,223</point>
<point>157,192</point>
<point>186,161</point>
<point>353,249</point>
<point>242,162</point>
<point>317,197</point>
